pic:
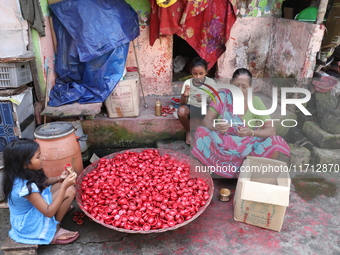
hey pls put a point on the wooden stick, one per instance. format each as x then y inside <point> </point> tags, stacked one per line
<point>46,91</point>
<point>54,37</point>
<point>321,12</point>
<point>139,76</point>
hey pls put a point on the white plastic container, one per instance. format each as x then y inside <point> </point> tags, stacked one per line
<point>13,75</point>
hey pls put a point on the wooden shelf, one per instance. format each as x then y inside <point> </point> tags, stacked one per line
<point>26,59</point>
<point>72,110</point>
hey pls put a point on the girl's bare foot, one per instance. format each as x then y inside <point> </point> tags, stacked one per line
<point>188,138</point>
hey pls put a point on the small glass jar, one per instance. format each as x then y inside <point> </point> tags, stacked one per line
<point>158,108</point>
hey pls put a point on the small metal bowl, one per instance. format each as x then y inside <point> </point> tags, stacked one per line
<point>224,195</point>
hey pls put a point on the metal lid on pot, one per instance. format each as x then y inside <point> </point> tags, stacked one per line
<point>54,130</point>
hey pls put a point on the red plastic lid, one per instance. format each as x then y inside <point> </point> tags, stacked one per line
<point>325,84</point>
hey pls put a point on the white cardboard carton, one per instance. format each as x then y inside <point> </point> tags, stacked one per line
<point>262,193</point>
<point>124,99</point>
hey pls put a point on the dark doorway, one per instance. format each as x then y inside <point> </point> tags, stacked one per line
<point>297,6</point>
<point>183,53</point>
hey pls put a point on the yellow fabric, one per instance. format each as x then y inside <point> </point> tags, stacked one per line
<point>165,3</point>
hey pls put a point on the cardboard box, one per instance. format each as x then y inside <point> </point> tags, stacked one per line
<point>124,99</point>
<point>262,193</point>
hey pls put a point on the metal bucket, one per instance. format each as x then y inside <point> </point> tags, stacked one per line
<point>80,134</point>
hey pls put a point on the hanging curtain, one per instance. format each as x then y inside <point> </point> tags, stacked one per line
<point>205,25</point>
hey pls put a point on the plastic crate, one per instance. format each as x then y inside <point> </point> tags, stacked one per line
<point>13,75</point>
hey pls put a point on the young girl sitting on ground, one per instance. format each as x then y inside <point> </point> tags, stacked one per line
<point>191,94</point>
<point>36,203</point>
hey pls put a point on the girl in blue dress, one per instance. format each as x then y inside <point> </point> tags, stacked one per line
<point>36,203</point>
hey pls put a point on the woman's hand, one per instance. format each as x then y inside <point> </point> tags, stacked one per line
<point>221,127</point>
<point>244,131</point>
<point>266,131</point>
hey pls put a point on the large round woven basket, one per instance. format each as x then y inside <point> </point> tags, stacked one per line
<point>179,157</point>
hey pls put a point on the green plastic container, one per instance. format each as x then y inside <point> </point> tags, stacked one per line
<point>309,14</point>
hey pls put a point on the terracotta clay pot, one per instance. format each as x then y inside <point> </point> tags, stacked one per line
<point>58,146</point>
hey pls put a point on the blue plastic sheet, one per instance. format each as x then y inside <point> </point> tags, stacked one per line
<point>93,40</point>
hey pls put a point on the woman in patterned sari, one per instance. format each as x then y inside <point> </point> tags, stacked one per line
<point>225,146</point>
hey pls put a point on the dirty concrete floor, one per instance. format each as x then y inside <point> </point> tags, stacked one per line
<point>311,226</point>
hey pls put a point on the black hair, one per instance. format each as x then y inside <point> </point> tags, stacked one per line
<point>17,156</point>
<point>198,61</point>
<point>242,71</point>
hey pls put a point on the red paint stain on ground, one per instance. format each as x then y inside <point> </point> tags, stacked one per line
<point>180,251</point>
<point>311,230</point>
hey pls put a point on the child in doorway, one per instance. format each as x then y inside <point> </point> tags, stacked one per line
<point>36,203</point>
<point>191,94</point>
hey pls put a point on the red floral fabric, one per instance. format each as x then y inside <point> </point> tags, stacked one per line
<point>204,24</point>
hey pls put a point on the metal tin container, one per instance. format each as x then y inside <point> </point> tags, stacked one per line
<point>224,195</point>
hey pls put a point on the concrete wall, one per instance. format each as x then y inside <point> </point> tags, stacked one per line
<point>271,48</point>
<point>247,47</point>
<point>155,63</point>
<point>292,54</point>
<point>294,45</point>
<point>43,48</point>
<point>13,31</point>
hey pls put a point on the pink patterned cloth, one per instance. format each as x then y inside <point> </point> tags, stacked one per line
<point>228,151</point>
